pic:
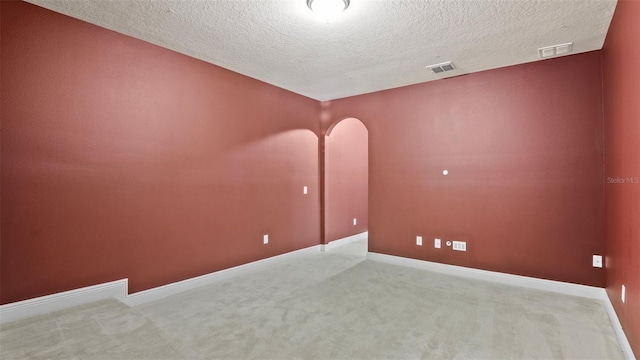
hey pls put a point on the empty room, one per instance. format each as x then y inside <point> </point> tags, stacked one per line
<point>320,179</point>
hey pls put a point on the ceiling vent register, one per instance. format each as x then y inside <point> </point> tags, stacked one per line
<point>555,50</point>
<point>440,68</point>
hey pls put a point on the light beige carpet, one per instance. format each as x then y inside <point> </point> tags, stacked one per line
<point>106,329</point>
<point>333,305</point>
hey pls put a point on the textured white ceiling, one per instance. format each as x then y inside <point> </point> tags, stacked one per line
<point>372,46</point>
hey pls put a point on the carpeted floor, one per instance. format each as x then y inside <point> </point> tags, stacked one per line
<point>333,305</point>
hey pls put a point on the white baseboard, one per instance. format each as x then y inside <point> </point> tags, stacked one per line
<point>591,292</point>
<point>119,289</point>
<point>344,241</point>
<point>192,283</point>
<point>492,276</point>
<point>617,327</point>
<point>59,301</point>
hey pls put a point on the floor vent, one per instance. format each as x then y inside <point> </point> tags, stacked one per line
<point>440,68</point>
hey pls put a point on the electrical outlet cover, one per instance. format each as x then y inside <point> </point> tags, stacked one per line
<point>597,261</point>
<point>460,246</point>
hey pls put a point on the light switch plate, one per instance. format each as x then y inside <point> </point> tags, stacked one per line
<point>419,240</point>
<point>265,239</point>
<point>437,243</point>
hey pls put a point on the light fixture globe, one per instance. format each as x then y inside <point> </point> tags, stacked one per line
<point>328,9</point>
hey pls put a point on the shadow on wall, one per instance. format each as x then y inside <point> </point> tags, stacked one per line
<point>346,179</point>
<point>281,166</point>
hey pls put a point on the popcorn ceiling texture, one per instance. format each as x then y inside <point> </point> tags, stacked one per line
<point>374,45</point>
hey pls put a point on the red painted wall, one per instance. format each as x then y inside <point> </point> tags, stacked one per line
<point>346,173</point>
<point>124,159</point>
<point>621,57</point>
<point>524,149</point>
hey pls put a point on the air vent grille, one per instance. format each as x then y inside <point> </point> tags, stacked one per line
<point>555,50</point>
<point>440,68</point>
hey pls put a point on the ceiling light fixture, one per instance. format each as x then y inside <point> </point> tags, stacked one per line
<point>328,9</point>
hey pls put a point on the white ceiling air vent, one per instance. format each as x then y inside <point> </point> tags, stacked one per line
<point>555,50</point>
<point>440,68</point>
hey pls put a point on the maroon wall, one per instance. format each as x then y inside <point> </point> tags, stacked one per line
<point>124,159</point>
<point>621,75</point>
<point>346,174</point>
<point>523,146</point>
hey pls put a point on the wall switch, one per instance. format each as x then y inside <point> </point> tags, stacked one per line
<point>623,293</point>
<point>597,261</point>
<point>437,243</point>
<point>419,240</point>
<point>265,239</point>
<point>304,190</point>
<point>460,246</point>
<point>354,221</point>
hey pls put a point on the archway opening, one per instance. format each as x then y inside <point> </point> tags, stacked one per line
<point>346,185</point>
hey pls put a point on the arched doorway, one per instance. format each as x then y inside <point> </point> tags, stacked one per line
<point>346,182</point>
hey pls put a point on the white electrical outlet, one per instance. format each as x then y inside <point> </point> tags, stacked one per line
<point>419,240</point>
<point>623,293</point>
<point>265,239</point>
<point>304,190</point>
<point>597,261</point>
<point>355,221</point>
<point>460,246</point>
<point>437,243</point>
